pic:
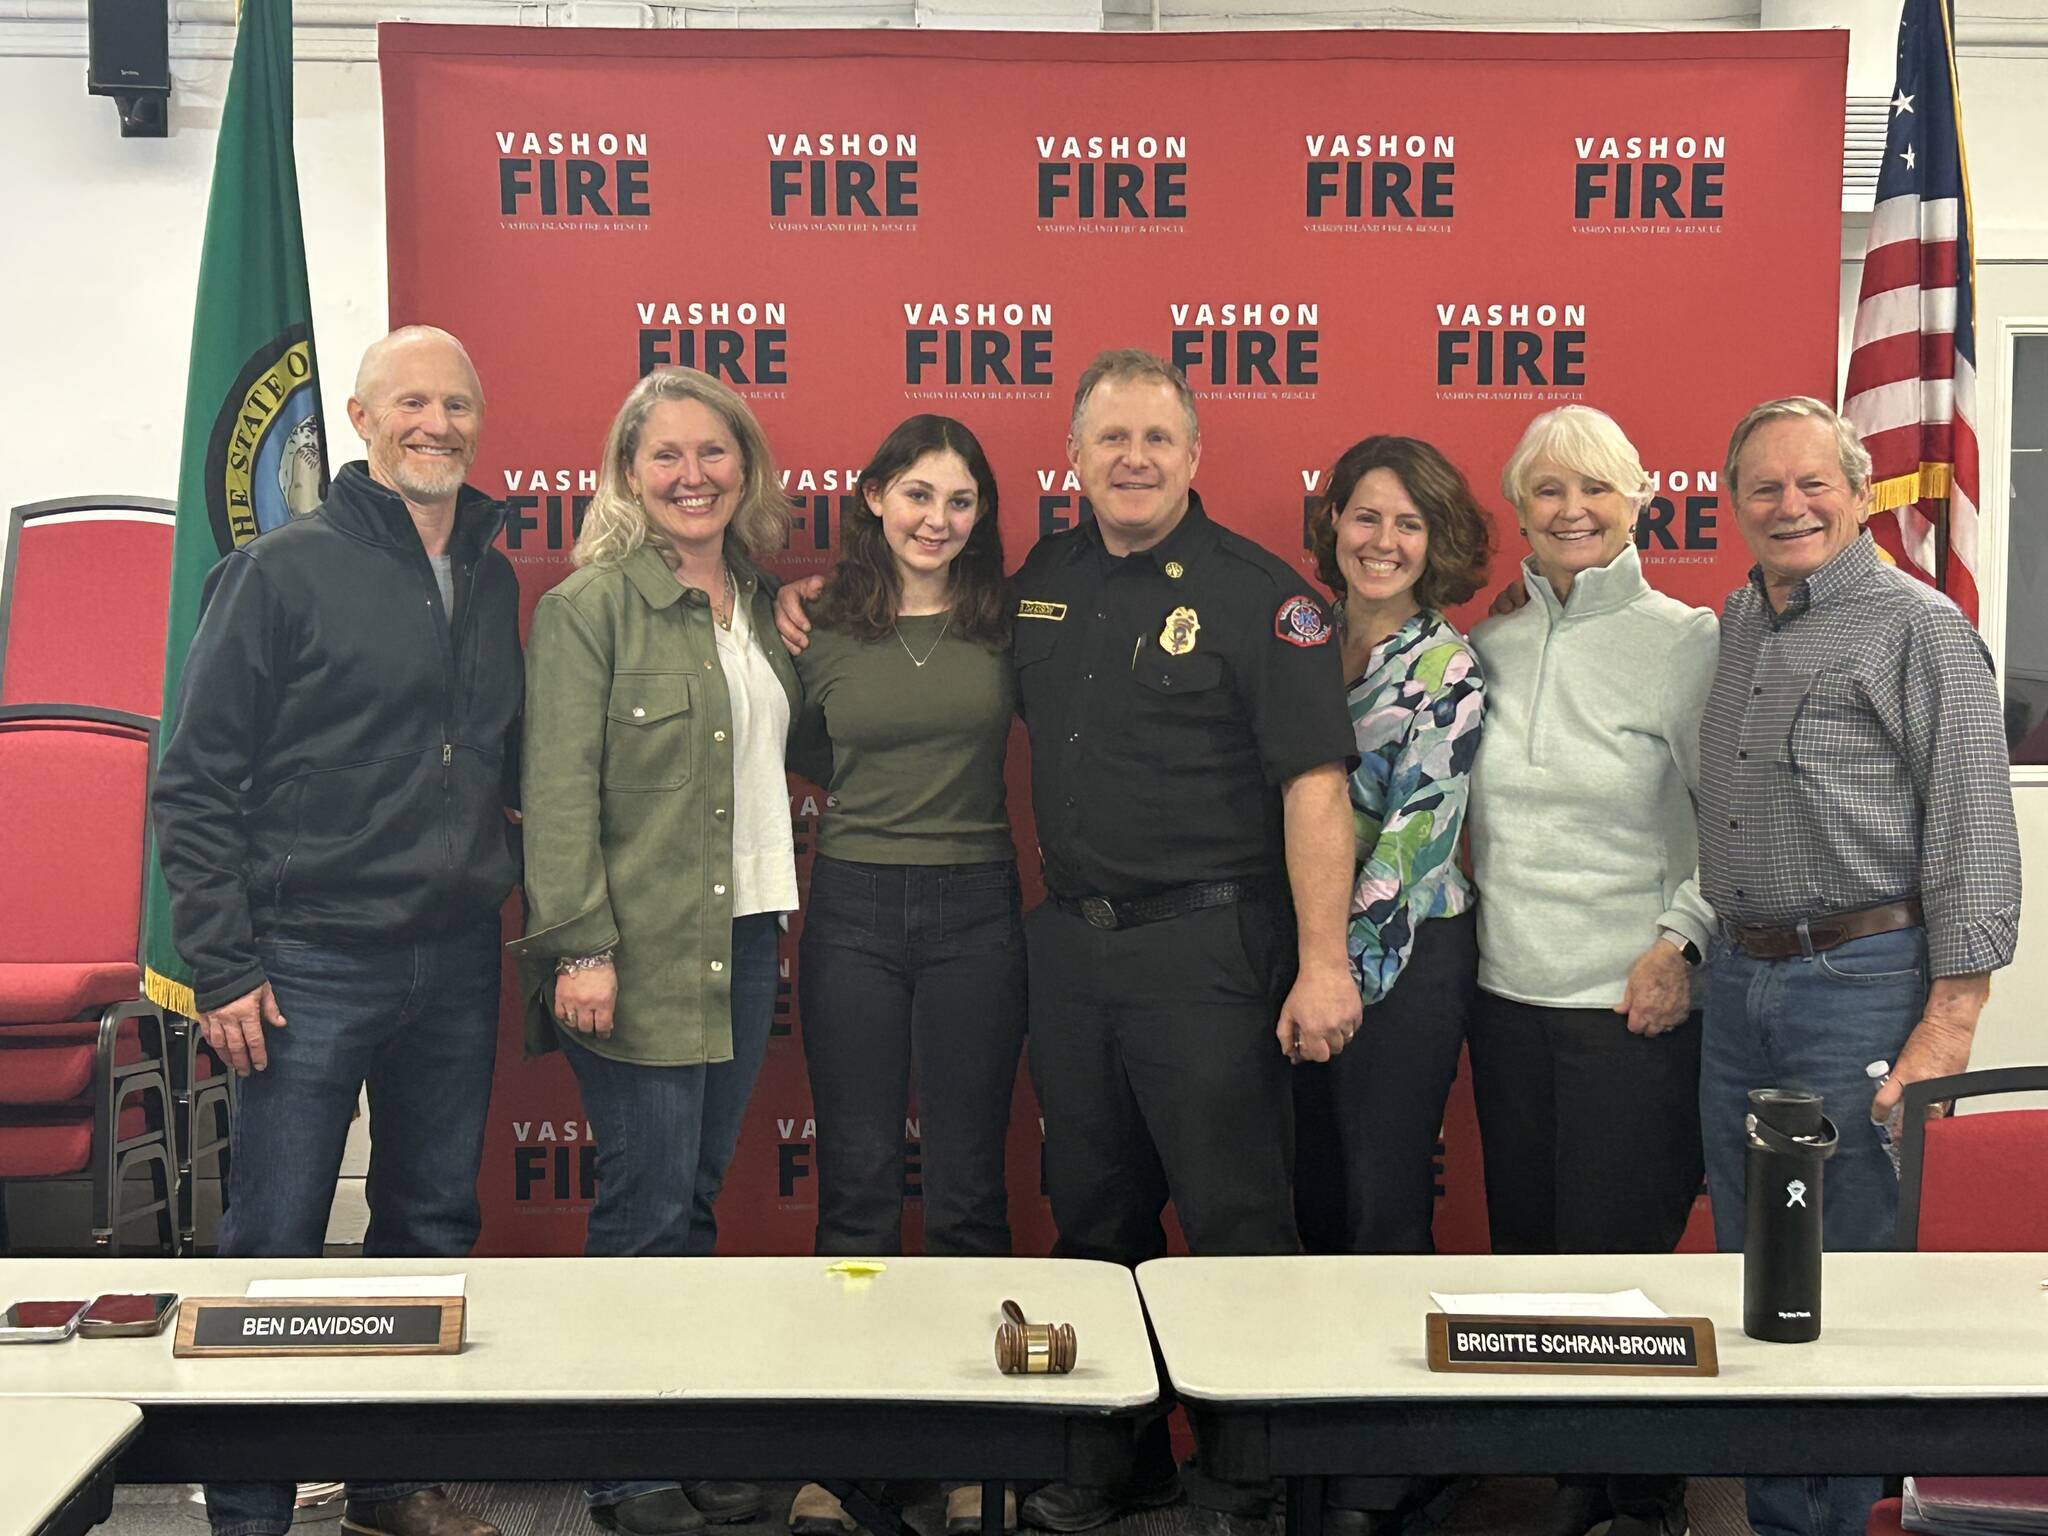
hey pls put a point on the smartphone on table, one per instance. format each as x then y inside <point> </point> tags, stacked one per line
<point>40,1322</point>
<point>121,1317</point>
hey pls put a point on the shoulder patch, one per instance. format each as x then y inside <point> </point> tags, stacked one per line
<point>1300,621</point>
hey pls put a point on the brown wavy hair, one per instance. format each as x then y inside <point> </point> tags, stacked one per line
<point>1460,534</point>
<point>865,591</point>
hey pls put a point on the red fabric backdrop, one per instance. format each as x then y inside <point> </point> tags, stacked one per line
<point>1337,233</point>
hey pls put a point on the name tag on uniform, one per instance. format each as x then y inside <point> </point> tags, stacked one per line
<point>1030,609</point>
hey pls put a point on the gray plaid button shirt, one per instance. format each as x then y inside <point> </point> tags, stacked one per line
<point>1851,754</point>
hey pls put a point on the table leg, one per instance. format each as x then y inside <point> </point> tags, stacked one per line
<point>1304,1506</point>
<point>992,1501</point>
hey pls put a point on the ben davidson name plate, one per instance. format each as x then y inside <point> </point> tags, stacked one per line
<point>327,1325</point>
<point>1595,1346</point>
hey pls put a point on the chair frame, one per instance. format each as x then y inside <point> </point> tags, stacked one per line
<point>20,517</point>
<point>1913,1150</point>
<point>112,1157</point>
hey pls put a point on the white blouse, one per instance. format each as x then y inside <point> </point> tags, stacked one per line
<point>763,844</point>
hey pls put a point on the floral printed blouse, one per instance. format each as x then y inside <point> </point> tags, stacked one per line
<point>1416,716</point>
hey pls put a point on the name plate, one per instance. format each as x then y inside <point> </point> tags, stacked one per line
<point>325,1325</point>
<point>1573,1346</point>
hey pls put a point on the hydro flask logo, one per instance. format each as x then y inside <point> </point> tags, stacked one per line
<point>1795,1194</point>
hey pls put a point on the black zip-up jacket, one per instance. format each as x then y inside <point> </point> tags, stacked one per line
<point>343,756</point>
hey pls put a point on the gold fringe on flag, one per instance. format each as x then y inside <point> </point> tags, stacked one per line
<point>1930,482</point>
<point>166,993</point>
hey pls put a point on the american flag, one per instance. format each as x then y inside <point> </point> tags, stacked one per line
<point>1912,388</point>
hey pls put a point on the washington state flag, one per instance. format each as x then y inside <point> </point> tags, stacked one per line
<point>254,451</point>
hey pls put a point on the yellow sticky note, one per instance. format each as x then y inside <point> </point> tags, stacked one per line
<point>859,1267</point>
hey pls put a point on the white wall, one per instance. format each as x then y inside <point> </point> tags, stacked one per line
<point>98,273</point>
<point>101,260</point>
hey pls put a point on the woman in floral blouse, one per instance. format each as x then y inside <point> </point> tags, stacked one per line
<point>1398,539</point>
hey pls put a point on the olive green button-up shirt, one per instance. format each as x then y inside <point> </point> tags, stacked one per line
<point>628,803</point>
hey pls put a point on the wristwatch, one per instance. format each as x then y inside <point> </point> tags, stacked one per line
<point>1683,945</point>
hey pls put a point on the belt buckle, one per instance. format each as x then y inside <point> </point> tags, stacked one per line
<point>1098,911</point>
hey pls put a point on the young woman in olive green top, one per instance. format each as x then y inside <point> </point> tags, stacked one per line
<point>912,947</point>
<point>659,852</point>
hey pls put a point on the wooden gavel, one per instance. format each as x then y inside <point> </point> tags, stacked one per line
<point>1033,1349</point>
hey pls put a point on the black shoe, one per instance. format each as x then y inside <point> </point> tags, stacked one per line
<point>1070,1507</point>
<point>1338,1521</point>
<point>1247,1501</point>
<point>1575,1509</point>
<point>723,1503</point>
<point>664,1512</point>
<point>1668,1520</point>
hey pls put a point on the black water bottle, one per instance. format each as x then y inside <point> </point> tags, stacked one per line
<point>1789,1141</point>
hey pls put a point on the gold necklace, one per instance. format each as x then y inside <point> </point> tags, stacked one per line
<point>915,659</point>
<point>732,602</point>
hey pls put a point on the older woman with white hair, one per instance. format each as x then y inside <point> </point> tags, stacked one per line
<point>1585,1047</point>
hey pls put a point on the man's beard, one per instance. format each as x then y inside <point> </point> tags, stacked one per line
<point>421,483</point>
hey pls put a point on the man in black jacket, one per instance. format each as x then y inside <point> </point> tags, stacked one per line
<point>333,817</point>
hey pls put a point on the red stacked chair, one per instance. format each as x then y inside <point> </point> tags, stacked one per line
<point>84,592</point>
<point>1971,1184</point>
<point>84,1062</point>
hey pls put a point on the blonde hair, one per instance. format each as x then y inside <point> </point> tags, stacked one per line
<point>1584,441</point>
<point>1849,449</point>
<point>615,524</point>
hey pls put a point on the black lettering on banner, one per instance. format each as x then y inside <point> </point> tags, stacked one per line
<point>1651,189</point>
<point>1380,189</point>
<point>1695,529</point>
<point>792,1164</point>
<point>842,189</point>
<point>736,356</point>
<point>558,1173</point>
<point>558,519</point>
<point>1246,357</point>
<point>1112,189</point>
<point>977,356</point>
<point>529,185</point>
<point>1510,358</point>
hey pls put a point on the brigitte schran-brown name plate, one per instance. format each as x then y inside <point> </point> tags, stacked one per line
<point>1573,1346</point>
<point>325,1325</point>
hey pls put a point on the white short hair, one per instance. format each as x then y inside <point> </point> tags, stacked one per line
<point>1584,441</point>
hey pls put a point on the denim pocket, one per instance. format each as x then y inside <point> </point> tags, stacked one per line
<point>842,903</point>
<point>981,907</point>
<point>1878,960</point>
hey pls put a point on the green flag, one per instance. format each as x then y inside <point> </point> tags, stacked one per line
<point>254,452</point>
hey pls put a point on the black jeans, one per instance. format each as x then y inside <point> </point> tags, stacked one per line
<point>1590,1135</point>
<point>903,964</point>
<point>1368,1124</point>
<point>1154,1054</point>
<point>1591,1140</point>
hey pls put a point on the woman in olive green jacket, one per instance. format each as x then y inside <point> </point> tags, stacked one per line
<point>658,844</point>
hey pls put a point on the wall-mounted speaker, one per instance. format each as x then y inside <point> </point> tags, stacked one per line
<point>129,58</point>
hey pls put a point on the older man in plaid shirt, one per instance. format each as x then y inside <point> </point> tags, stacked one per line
<point>1856,839</point>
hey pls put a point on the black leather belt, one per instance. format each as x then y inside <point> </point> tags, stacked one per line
<point>1108,912</point>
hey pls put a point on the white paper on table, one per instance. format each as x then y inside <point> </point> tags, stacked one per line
<point>361,1285</point>
<point>1632,1303</point>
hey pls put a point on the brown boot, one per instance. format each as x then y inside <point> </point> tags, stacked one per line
<point>815,1512</point>
<point>963,1510</point>
<point>429,1512</point>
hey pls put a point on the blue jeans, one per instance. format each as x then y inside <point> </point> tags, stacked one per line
<point>666,1134</point>
<point>1812,1022</point>
<point>418,1024</point>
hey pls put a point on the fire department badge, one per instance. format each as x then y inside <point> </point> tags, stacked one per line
<point>1178,637</point>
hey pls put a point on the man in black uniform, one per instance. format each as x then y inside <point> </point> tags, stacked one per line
<point>1185,702</point>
